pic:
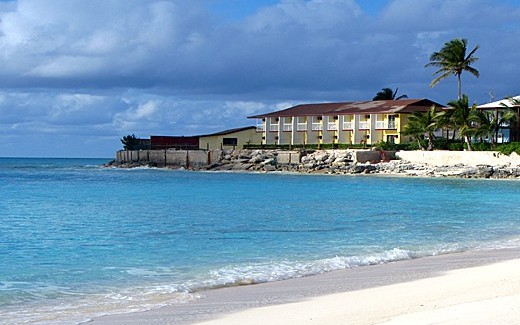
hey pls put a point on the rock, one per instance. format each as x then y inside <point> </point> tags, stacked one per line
<point>269,161</point>
<point>241,166</point>
<point>484,171</point>
<point>357,169</point>
<point>257,159</point>
<point>321,156</point>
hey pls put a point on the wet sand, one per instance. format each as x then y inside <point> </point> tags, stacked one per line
<point>477,287</point>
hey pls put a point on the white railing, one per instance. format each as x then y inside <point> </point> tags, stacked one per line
<point>273,127</point>
<point>260,128</point>
<point>301,127</point>
<point>364,125</point>
<point>317,126</point>
<point>287,127</point>
<point>385,125</point>
<point>332,126</point>
<point>348,125</point>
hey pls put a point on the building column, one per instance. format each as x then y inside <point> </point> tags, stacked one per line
<point>373,119</point>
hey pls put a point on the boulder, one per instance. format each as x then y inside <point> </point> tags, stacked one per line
<point>357,169</point>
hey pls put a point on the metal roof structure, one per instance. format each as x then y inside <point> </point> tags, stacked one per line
<point>504,103</point>
<point>364,107</point>
<point>230,131</point>
<point>225,132</point>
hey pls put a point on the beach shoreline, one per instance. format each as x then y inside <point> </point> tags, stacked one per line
<point>313,297</point>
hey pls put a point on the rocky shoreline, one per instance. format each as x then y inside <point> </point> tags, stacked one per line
<point>338,162</point>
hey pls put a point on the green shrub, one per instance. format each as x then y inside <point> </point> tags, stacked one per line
<point>456,146</point>
<point>441,144</point>
<point>508,148</point>
<point>482,146</point>
<point>393,146</point>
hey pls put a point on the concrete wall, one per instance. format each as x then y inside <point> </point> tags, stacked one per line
<point>469,158</point>
<point>180,158</point>
<point>374,156</point>
<point>288,157</point>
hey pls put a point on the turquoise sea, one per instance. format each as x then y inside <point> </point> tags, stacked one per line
<point>78,240</point>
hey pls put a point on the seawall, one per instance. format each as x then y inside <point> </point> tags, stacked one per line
<point>196,159</point>
<point>402,163</point>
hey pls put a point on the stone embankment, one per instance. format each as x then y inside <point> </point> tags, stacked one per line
<point>342,162</point>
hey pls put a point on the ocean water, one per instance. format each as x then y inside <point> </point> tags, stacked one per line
<point>78,240</point>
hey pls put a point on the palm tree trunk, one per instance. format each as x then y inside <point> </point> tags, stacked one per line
<point>468,142</point>
<point>420,144</point>
<point>430,142</point>
<point>459,86</point>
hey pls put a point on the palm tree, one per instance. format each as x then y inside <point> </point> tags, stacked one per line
<point>484,129</point>
<point>445,122</point>
<point>514,123</point>
<point>421,124</point>
<point>452,60</point>
<point>130,142</point>
<point>388,94</point>
<point>463,118</point>
<point>490,123</point>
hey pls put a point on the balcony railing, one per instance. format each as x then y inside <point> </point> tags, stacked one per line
<point>383,125</point>
<point>364,125</point>
<point>332,126</point>
<point>273,128</point>
<point>301,127</point>
<point>287,127</point>
<point>317,126</point>
<point>260,128</point>
<point>348,125</point>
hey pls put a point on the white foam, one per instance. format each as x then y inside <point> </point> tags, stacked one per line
<point>81,308</point>
<point>281,270</point>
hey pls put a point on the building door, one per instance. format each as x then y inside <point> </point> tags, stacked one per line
<point>391,138</point>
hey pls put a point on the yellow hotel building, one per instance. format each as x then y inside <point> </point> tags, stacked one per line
<point>366,122</point>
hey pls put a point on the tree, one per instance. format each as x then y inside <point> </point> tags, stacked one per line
<point>445,122</point>
<point>452,60</point>
<point>421,124</point>
<point>130,142</point>
<point>463,118</point>
<point>490,123</point>
<point>514,123</point>
<point>388,94</point>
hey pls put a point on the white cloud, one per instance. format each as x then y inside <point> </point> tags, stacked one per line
<point>107,67</point>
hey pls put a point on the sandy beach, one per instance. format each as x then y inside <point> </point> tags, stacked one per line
<point>478,287</point>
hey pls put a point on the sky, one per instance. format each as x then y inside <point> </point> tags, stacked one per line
<point>78,75</point>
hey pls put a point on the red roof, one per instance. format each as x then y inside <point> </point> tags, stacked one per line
<point>344,108</point>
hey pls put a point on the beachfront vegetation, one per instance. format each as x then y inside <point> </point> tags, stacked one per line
<point>388,94</point>
<point>489,124</point>
<point>452,60</point>
<point>421,124</point>
<point>463,118</point>
<point>130,142</point>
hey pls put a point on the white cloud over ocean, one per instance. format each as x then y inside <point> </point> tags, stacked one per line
<point>84,73</point>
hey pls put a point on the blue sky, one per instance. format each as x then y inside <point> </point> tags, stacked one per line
<point>78,75</point>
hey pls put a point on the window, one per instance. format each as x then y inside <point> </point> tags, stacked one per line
<point>230,142</point>
<point>391,121</point>
<point>391,138</point>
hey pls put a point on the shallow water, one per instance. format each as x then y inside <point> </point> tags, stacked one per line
<point>78,241</point>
